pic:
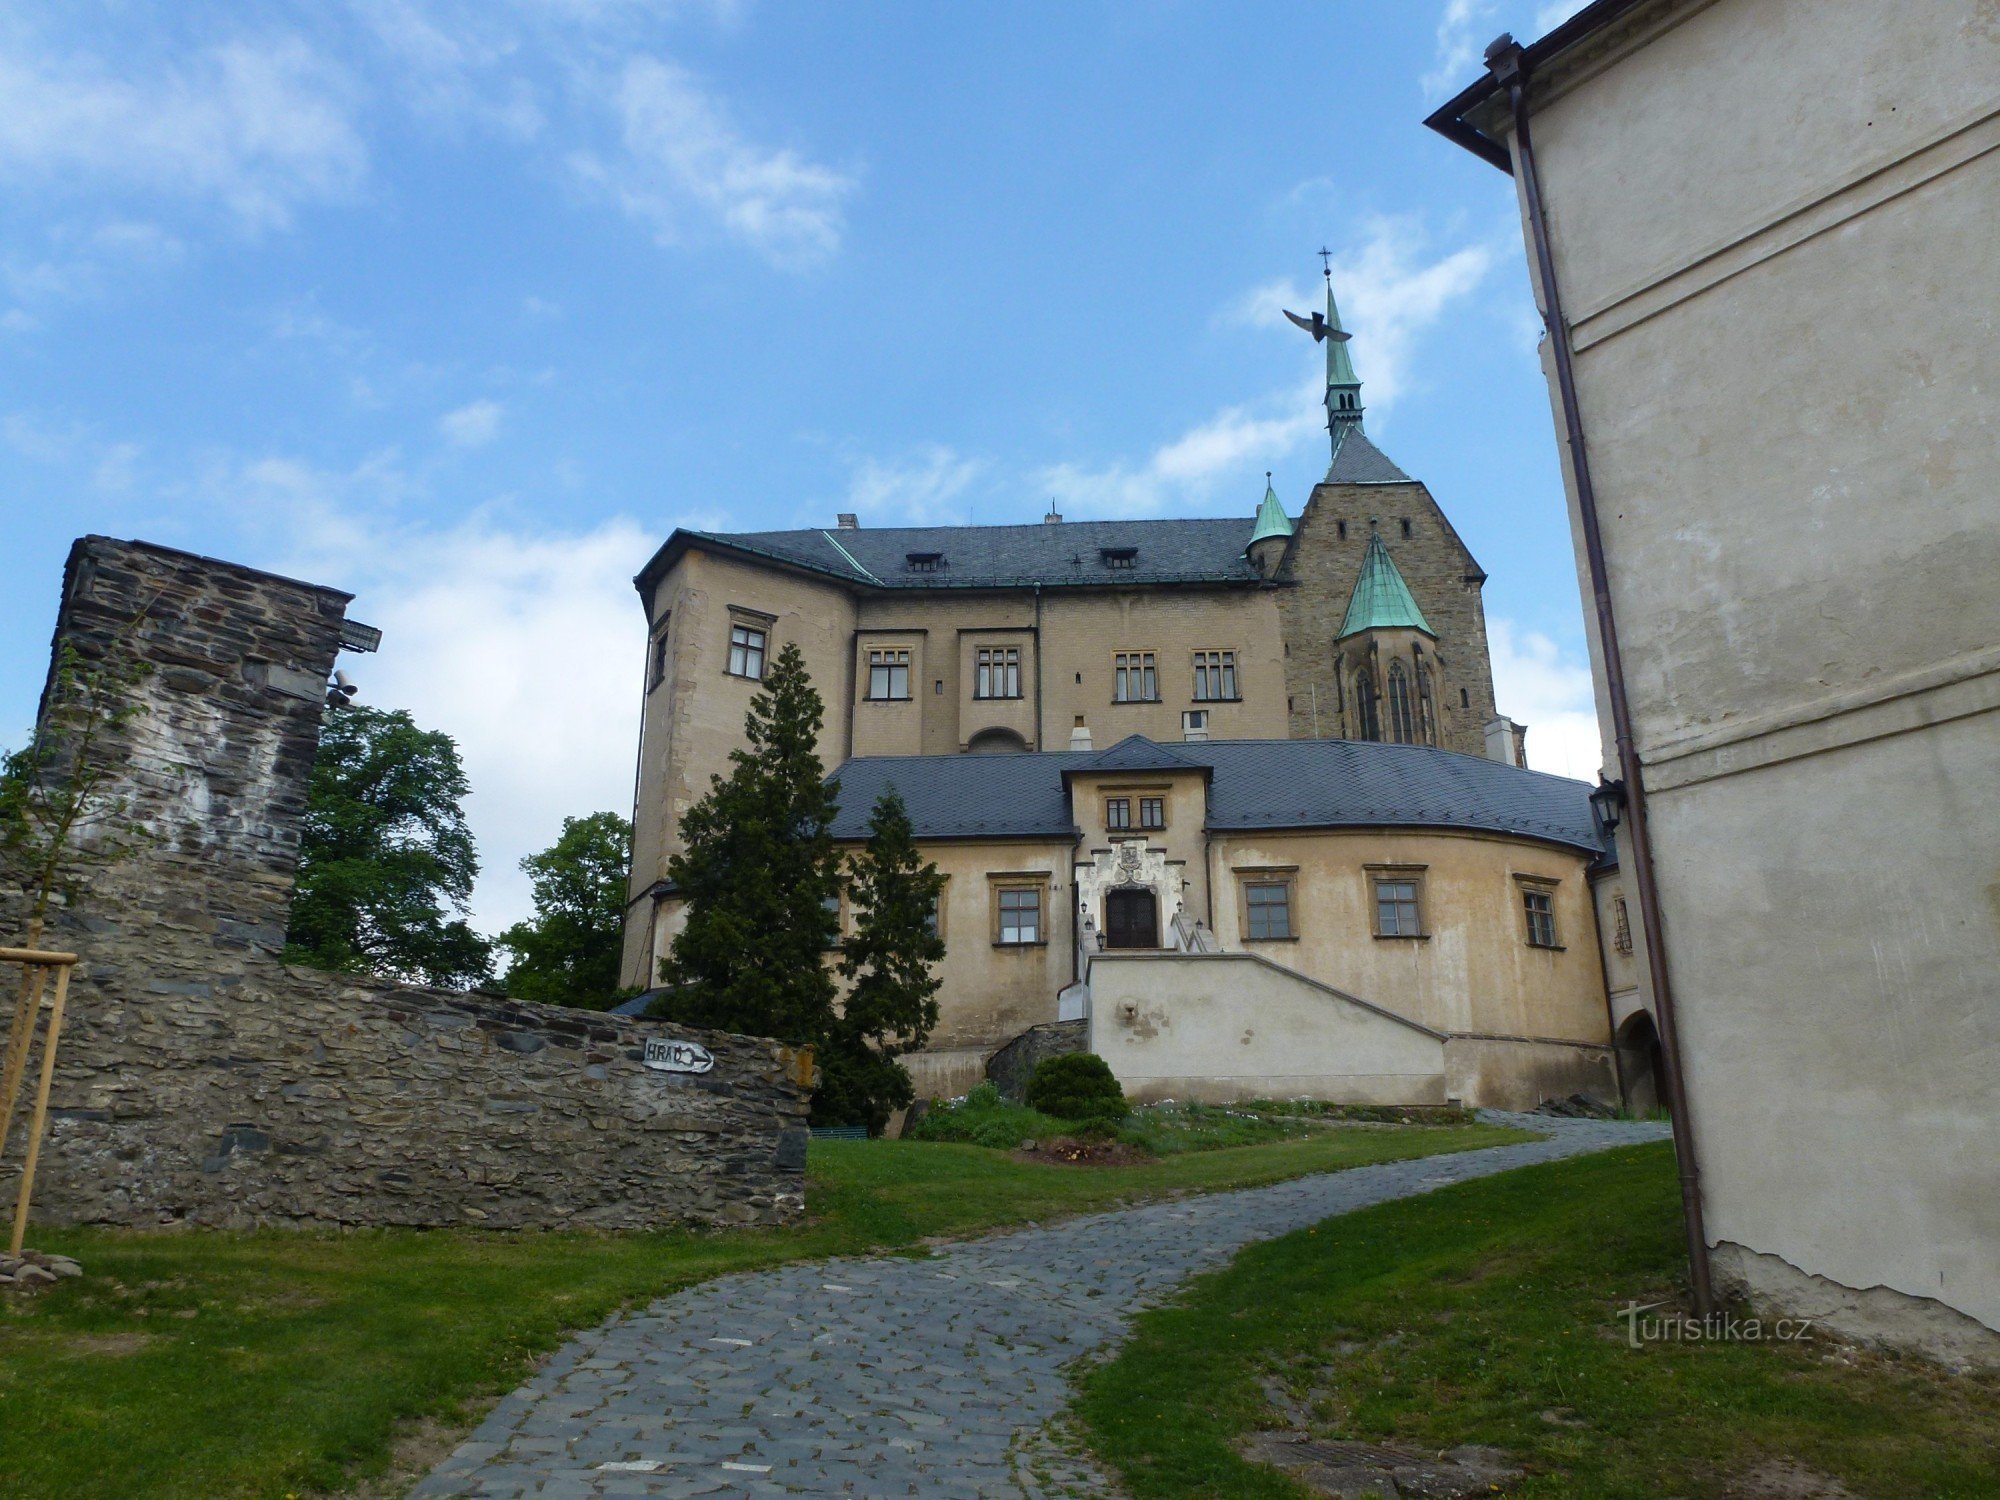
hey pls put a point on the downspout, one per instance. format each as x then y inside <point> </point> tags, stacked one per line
<point>1505,62</point>
<point>1041,737</point>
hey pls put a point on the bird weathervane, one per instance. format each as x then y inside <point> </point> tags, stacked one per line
<point>1317,325</point>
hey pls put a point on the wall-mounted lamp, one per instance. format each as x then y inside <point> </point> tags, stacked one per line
<point>1608,802</point>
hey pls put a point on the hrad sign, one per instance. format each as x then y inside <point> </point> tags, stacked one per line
<point>677,1057</point>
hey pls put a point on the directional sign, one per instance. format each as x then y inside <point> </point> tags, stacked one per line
<point>677,1057</point>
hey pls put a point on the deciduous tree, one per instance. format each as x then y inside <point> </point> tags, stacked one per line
<point>386,863</point>
<point>568,954</point>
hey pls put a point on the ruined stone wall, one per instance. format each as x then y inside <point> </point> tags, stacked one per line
<point>202,1081</point>
<point>1321,566</point>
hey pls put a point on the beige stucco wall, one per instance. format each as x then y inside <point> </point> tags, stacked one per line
<point>1773,226</point>
<point>1474,972</point>
<point>1223,1027</point>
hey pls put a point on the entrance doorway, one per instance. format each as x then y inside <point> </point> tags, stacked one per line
<point>1131,919</point>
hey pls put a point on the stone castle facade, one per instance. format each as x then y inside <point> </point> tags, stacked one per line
<point>1363,619</point>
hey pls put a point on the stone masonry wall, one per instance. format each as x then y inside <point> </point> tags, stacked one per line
<point>1441,573</point>
<point>202,1081</point>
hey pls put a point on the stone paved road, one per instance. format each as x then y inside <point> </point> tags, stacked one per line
<point>897,1377</point>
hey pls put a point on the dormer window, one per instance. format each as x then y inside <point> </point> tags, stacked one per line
<point>1119,557</point>
<point>925,562</point>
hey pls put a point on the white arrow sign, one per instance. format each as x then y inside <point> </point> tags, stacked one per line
<point>677,1057</point>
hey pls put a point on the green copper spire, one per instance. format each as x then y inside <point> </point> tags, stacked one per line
<point>1382,601</point>
<point>1271,518</point>
<point>1343,386</point>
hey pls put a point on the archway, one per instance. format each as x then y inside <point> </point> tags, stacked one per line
<point>1638,1044</point>
<point>1131,918</point>
<point>995,742</point>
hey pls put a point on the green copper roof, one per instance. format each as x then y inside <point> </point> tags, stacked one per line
<point>1271,517</point>
<point>1339,368</point>
<point>1382,601</point>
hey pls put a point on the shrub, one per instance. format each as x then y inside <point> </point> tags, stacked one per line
<point>1076,1086</point>
<point>983,1118</point>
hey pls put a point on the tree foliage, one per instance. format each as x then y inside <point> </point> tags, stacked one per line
<point>889,964</point>
<point>568,954</point>
<point>760,875</point>
<point>386,863</point>
<point>1076,1086</point>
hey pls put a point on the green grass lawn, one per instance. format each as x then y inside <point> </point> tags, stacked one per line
<point>1485,1313</point>
<point>272,1364</point>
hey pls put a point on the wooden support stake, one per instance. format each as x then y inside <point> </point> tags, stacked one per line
<point>41,1110</point>
<point>27,1011</point>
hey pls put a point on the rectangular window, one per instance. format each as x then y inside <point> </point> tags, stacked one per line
<point>746,652</point>
<point>888,674</point>
<point>1134,678</point>
<point>831,905</point>
<point>1267,909</point>
<point>1119,557</point>
<point>997,672</point>
<point>1621,926</point>
<point>1118,812</point>
<point>1215,677</point>
<point>1398,911</point>
<point>1541,909</point>
<point>1152,812</point>
<point>656,666</point>
<point>1020,915</point>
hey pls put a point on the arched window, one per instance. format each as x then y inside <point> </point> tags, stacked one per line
<point>1427,712</point>
<point>1365,708</point>
<point>1402,722</point>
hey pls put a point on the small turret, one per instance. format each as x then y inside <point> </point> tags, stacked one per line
<point>1270,534</point>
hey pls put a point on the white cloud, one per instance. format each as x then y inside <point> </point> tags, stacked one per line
<point>1392,291</point>
<point>1537,683</point>
<point>1463,31</point>
<point>473,425</point>
<point>914,489</point>
<point>683,162</point>
<point>525,645</point>
<point>260,127</point>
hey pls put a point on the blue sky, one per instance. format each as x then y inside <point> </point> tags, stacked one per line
<point>462,305</point>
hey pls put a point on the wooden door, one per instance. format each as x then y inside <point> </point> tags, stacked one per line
<point>1131,919</point>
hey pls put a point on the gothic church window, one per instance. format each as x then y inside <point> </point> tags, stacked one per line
<point>1366,710</point>
<point>1427,706</point>
<point>1402,722</point>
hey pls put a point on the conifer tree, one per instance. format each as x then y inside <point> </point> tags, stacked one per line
<point>761,877</point>
<point>889,965</point>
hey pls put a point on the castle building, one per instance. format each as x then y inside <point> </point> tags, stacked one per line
<point>1019,667</point>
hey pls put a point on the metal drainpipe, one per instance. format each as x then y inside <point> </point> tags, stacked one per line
<point>1505,62</point>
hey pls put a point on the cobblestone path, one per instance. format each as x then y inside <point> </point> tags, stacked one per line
<point>935,1378</point>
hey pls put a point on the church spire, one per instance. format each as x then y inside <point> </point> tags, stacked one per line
<point>1343,386</point>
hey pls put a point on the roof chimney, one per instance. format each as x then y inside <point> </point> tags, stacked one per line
<point>1053,518</point>
<point>848,521</point>
<point>1079,737</point>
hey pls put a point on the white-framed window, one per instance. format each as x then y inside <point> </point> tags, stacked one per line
<point>747,647</point>
<point>1020,915</point>
<point>1135,678</point>
<point>1539,904</point>
<point>1215,677</point>
<point>888,674</point>
<point>997,672</point>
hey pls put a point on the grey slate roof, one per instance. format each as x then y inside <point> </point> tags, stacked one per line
<point>1137,753</point>
<point>1358,461</point>
<point>1058,555</point>
<point>1256,784</point>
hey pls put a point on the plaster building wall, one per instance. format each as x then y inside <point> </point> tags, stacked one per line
<point>201,1081</point>
<point>1321,565</point>
<point>1473,970</point>
<point>1773,228</point>
<point>1229,1026</point>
